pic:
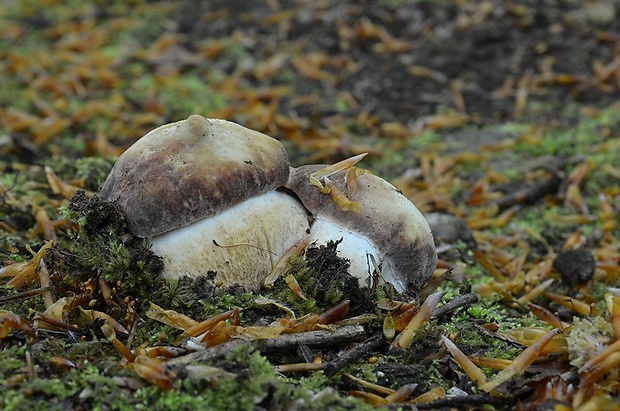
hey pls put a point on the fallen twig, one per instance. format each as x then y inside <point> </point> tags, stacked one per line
<point>320,338</point>
<point>450,306</point>
<point>24,294</point>
<point>454,401</point>
<point>531,192</point>
<point>345,357</point>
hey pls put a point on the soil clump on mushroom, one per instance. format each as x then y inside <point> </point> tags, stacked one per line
<point>106,247</point>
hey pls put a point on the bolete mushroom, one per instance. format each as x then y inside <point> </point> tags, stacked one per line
<point>381,230</point>
<point>204,191</point>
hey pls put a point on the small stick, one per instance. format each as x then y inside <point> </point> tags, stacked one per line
<point>283,342</point>
<point>30,366</point>
<point>531,192</point>
<point>456,401</point>
<point>24,294</point>
<point>133,329</point>
<point>46,282</point>
<point>457,302</point>
<point>301,367</point>
<point>345,357</point>
<point>55,322</point>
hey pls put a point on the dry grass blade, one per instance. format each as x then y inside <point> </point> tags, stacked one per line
<point>60,187</point>
<point>600,357</point>
<point>283,264</point>
<point>203,326</point>
<point>317,176</point>
<point>154,371</point>
<point>401,394</point>
<point>92,315</point>
<point>25,273</point>
<point>405,338</point>
<point>294,286</point>
<point>369,385</point>
<point>389,328</point>
<point>572,304</point>
<point>429,396</point>
<point>520,363</point>
<point>169,317</point>
<point>547,316</point>
<point>9,320</point>
<point>490,267</point>
<point>335,313</point>
<point>466,364</point>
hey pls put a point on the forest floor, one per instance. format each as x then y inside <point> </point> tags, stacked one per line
<point>503,116</point>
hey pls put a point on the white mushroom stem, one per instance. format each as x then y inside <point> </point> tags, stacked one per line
<point>241,244</point>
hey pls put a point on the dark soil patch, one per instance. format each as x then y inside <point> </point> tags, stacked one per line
<point>483,49</point>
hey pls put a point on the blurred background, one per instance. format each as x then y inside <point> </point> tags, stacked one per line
<point>457,102</point>
<point>329,78</point>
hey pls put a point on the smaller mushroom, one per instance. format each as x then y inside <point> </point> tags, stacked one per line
<point>204,191</point>
<point>381,230</point>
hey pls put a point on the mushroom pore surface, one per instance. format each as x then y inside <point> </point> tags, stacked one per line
<point>182,172</point>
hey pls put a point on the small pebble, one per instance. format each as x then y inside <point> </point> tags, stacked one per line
<point>575,266</point>
<point>448,229</point>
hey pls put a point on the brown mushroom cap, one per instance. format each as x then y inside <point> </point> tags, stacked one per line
<point>182,172</point>
<point>387,219</point>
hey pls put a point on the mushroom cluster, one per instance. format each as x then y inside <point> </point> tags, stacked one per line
<point>217,199</point>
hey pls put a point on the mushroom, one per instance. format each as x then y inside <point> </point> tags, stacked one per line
<point>204,191</point>
<point>379,228</point>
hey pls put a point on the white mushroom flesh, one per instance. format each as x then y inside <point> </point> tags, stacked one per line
<point>241,245</point>
<point>365,261</point>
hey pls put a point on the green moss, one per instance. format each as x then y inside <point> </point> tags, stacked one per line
<point>323,277</point>
<point>254,378</point>
<point>512,128</point>
<point>7,247</point>
<point>152,399</point>
<point>544,222</point>
<point>395,373</point>
<point>472,339</point>
<point>330,399</point>
<point>575,139</point>
<point>396,157</point>
<point>182,96</point>
<point>303,273</point>
<point>91,170</point>
<point>253,385</point>
<point>240,300</point>
<point>11,358</point>
<point>314,382</point>
<point>57,393</point>
<point>597,291</point>
<point>105,248</point>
